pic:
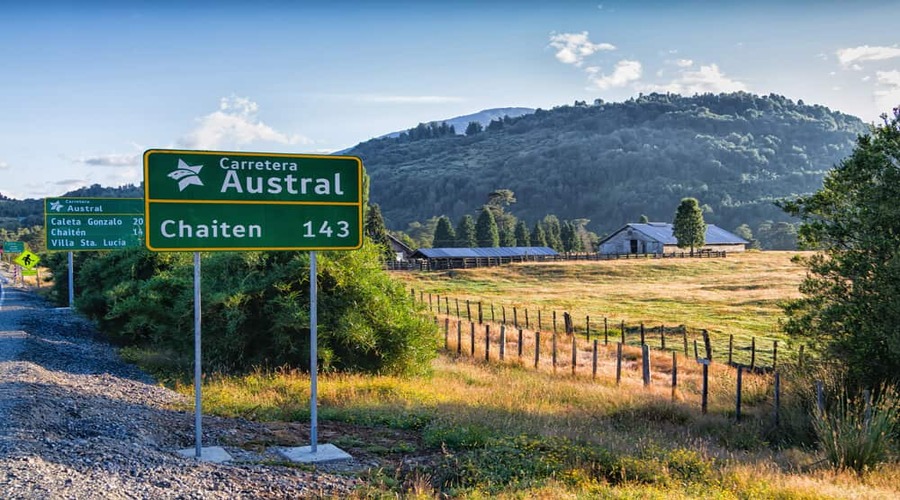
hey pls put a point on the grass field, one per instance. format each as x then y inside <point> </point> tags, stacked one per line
<point>473,429</point>
<point>738,295</point>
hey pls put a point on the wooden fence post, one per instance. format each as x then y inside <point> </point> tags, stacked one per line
<point>446,333</point>
<point>574,355</point>
<point>537,349</point>
<point>623,332</point>
<point>696,355</point>
<point>674,374</point>
<point>502,342</point>
<point>707,345</point>
<point>737,402</point>
<point>503,314</point>
<point>594,361</point>
<point>468,310</point>
<point>446,305</point>
<point>554,323</point>
<point>430,306</point>
<point>480,313</point>
<point>645,364</point>
<point>684,336</point>
<point>459,337</point>
<point>605,332</point>
<point>618,363</point>
<point>704,392</point>
<point>662,337</point>
<point>553,351</point>
<point>493,319</point>
<point>472,338</point>
<point>487,342</point>
<point>642,333</point>
<point>587,328</point>
<point>515,317</point>
<point>520,342</point>
<point>457,308</point>
<point>526,319</point>
<point>540,325</point>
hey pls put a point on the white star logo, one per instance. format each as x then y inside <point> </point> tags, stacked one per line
<point>186,175</point>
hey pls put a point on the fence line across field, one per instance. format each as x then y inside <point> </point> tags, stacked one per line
<point>658,336</point>
<point>498,344</point>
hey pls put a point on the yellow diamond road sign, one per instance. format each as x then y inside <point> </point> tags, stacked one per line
<point>27,260</point>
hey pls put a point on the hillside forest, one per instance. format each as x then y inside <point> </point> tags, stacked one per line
<point>610,163</point>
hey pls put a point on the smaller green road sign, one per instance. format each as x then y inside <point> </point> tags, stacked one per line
<point>225,200</point>
<point>13,247</point>
<point>77,224</point>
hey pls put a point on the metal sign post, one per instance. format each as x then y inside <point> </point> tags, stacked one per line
<point>198,410</point>
<point>71,281</point>
<point>313,354</point>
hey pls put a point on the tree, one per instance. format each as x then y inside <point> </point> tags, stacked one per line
<point>538,237</point>
<point>474,128</point>
<point>523,239</point>
<point>689,228</point>
<point>486,229</point>
<point>850,306</point>
<point>552,231</point>
<point>644,219</point>
<point>744,231</point>
<point>444,235</point>
<point>465,232</point>
<point>376,231</point>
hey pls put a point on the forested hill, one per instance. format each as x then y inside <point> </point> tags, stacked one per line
<point>613,162</point>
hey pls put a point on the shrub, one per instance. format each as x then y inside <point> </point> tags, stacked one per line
<point>255,309</point>
<point>857,434</point>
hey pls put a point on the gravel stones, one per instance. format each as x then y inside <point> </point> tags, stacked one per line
<point>76,422</point>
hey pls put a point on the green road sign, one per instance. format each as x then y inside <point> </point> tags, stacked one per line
<point>76,224</point>
<point>13,247</point>
<point>220,200</point>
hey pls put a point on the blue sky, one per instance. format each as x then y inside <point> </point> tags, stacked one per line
<point>86,87</point>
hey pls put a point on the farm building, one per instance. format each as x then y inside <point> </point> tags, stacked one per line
<point>460,258</point>
<point>657,238</point>
<point>401,251</point>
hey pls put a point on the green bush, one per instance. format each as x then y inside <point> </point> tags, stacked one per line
<point>255,309</point>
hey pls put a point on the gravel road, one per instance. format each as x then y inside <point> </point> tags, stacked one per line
<point>76,422</point>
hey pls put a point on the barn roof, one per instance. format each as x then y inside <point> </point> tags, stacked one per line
<point>494,252</point>
<point>662,232</point>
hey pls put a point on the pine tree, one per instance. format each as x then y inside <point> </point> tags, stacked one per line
<point>523,239</point>
<point>375,229</point>
<point>465,232</point>
<point>474,128</point>
<point>552,230</point>
<point>486,229</point>
<point>444,235</point>
<point>538,237</point>
<point>689,228</point>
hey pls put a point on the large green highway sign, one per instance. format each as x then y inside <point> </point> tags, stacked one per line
<point>220,200</point>
<point>76,224</point>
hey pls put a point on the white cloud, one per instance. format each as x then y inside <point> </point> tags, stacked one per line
<point>866,78</point>
<point>235,124</point>
<point>887,93</point>
<point>707,78</point>
<point>847,57</point>
<point>625,72</point>
<point>112,160</point>
<point>4,165</point>
<point>572,48</point>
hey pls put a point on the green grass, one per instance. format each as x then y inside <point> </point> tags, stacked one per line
<point>738,295</point>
